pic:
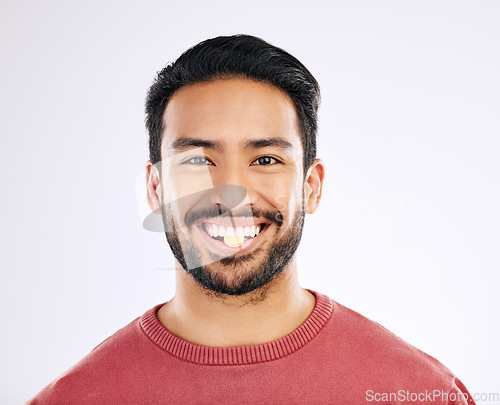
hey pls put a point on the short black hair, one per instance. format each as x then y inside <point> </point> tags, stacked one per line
<point>242,56</point>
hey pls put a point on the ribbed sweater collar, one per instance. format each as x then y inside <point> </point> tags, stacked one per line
<point>240,354</point>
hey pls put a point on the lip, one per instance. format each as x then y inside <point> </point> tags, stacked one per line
<point>221,247</point>
<point>234,221</point>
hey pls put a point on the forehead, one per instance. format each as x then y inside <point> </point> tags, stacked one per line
<point>231,111</point>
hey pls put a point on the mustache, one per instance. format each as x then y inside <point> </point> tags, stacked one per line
<point>220,210</point>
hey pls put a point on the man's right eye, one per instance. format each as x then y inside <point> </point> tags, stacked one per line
<point>198,161</point>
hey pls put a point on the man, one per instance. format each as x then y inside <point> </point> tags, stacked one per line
<point>233,171</point>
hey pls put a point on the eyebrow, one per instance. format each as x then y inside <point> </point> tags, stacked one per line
<point>273,142</point>
<point>192,142</point>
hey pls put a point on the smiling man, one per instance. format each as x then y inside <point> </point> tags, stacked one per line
<point>232,172</point>
<point>235,242</point>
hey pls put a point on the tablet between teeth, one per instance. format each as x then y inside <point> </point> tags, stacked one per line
<point>234,241</point>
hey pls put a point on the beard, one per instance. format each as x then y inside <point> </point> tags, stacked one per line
<point>241,273</point>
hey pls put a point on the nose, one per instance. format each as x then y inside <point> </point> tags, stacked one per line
<point>232,187</point>
<point>229,196</point>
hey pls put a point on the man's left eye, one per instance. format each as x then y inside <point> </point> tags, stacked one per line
<point>265,161</point>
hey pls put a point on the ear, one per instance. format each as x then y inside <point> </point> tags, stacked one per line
<point>153,185</point>
<point>313,185</point>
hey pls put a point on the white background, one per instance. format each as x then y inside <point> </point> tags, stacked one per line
<point>407,232</point>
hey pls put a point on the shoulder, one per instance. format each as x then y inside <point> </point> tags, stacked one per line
<point>367,348</point>
<point>112,360</point>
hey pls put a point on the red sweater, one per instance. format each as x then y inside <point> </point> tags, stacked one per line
<point>335,357</point>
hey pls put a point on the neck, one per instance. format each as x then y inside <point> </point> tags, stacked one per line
<point>262,316</point>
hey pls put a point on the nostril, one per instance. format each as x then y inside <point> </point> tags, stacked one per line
<point>230,195</point>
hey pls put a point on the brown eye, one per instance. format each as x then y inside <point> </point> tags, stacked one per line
<point>265,161</point>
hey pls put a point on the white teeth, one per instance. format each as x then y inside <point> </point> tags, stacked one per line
<point>220,231</point>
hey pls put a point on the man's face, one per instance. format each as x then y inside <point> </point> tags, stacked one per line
<point>232,185</point>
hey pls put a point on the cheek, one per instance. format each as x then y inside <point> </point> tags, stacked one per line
<point>182,182</point>
<point>178,194</point>
<point>284,195</point>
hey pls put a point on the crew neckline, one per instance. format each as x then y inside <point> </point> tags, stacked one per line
<point>238,355</point>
